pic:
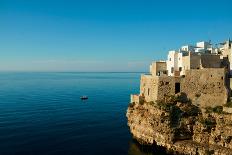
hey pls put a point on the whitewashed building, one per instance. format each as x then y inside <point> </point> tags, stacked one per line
<point>188,48</point>
<point>203,46</point>
<point>174,63</point>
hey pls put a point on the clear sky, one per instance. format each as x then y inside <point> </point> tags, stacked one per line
<point>104,35</point>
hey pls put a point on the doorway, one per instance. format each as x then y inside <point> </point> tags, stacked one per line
<point>177,87</point>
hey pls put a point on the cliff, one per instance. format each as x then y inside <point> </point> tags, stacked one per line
<point>181,127</point>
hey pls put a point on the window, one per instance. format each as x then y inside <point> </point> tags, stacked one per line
<point>180,69</point>
<point>170,59</point>
<point>172,69</point>
<point>148,91</point>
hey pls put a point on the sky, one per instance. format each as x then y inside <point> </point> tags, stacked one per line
<point>104,35</point>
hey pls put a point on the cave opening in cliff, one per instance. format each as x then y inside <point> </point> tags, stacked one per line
<point>177,87</point>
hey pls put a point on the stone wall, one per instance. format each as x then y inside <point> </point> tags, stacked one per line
<point>210,61</point>
<point>166,86</point>
<point>195,61</point>
<point>149,87</point>
<point>158,67</point>
<point>155,88</point>
<point>198,61</point>
<point>227,110</point>
<point>137,98</point>
<point>205,87</point>
<point>186,64</point>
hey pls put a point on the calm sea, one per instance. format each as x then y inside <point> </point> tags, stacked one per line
<point>42,114</point>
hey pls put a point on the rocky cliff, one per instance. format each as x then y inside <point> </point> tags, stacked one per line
<point>181,127</point>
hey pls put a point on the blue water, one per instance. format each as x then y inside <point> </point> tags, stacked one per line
<point>42,114</point>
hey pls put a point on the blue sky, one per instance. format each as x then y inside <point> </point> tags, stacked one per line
<point>104,35</point>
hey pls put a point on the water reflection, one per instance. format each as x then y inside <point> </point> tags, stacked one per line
<point>136,149</point>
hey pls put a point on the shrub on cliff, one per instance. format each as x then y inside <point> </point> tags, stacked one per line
<point>228,104</point>
<point>181,97</point>
<point>208,123</point>
<point>190,110</point>
<point>164,106</point>
<point>131,105</point>
<point>217,109</point>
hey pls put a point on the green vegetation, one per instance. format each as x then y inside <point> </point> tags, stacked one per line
<point>209,123</point>
<point>176,98</point>
<point>228,104</point>
<point>151,103</point>
<point>164,106</point>
<point>191,110</point>
<point>131,105</point>
<point>217,109</point>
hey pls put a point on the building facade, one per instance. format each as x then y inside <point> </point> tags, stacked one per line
<point>204,77</point>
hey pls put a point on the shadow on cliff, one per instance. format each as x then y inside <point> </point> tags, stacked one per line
<point>136,149</point>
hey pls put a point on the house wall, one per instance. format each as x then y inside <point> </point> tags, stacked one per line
<point>226,48</point>
<point>174,61</point>
<point>210,61</point>
<point>171,62</point>
<point>188,48</point>
<point>203,45</point>
<point>149,87</point>
<point>158,87</point>
<point>204,87</point>
<point>166,86</point>
<point>157,67</point>
<point>191,61</point>
<point>195,61</point>
<point>230,59</point>
<point>186,64</point>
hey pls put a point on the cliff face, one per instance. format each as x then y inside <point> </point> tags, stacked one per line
<point>181,127</point>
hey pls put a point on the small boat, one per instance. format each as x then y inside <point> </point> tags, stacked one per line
<point>84,97</point>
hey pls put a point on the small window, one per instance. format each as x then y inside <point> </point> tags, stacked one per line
<point>211,75</point>
<point>172,69</point>
<point>170,59</point>
<point>148,91</point>
<point>166,83</point>
<point>180,69</point>
<point>222,77</point>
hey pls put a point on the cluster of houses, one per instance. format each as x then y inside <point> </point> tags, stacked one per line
<point>203,55</point>
<point>202,72</point>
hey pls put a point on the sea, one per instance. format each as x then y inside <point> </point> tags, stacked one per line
<point>41,113</point>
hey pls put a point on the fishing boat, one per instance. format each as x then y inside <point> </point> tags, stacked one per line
<point>84,97</point>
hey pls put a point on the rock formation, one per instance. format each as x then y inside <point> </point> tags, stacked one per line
<point>181,127</point>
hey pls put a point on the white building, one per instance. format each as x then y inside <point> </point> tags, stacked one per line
<point>188,48</point>
<point>203,46</point>
<point>174,63</point>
